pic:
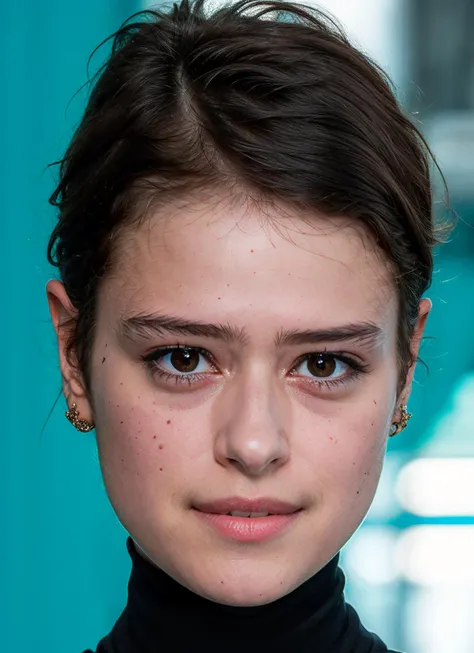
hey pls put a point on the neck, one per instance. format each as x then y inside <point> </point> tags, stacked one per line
<point>312,618</point>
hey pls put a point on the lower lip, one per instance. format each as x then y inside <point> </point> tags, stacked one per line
<point>249,529</point>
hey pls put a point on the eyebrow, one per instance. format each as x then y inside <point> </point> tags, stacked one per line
<point>147,326</point>
<point>364,333</point>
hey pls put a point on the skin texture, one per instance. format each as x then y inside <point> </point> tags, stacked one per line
<point>257,422</point>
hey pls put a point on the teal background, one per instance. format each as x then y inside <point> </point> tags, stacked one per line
<point>64,566</point>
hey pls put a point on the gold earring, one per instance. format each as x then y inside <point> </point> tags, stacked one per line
<point>397,427</point>
<point>81,424</point>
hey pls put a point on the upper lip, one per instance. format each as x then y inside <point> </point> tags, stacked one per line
<point>263,504</point>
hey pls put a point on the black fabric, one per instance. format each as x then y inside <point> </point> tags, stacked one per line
<point>161,616</point>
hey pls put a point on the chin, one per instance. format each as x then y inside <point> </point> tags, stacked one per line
<point>244,591</point>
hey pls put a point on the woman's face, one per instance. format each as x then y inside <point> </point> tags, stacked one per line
<point>240,365</point>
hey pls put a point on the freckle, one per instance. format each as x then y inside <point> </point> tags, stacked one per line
<point>103,360</point>
<point>218,298</point>
<point>121,382</point>
<point>228,285</point>
<point>168,421</point>
<point>161,469</point>
<point>106,344</point>
<point>222,582</point>
<point>371,424</point>
<point>358,492</point>
<point>375,402</point>
<point>121,459</point>
<point>121,422</point>
<point>154,437</point>
<point>160,447</point>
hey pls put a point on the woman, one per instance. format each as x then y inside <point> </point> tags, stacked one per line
<point>245,235</point>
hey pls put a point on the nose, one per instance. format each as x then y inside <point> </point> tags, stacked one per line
<point>252,417</point>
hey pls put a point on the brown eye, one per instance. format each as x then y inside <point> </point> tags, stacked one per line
<point>321,365</point>
<point>185,360</point>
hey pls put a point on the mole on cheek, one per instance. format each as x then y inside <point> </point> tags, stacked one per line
<point>168,421</point>
<point>161,446</point>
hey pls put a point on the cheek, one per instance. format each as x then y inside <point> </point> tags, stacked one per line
<point>343,452</point>
<point>143,445</point>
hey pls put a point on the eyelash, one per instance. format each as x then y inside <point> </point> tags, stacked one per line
<point>150,361</point>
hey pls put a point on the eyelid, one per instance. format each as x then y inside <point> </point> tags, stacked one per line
<point>356,366</point>
<point>349,359</point>
<point>152,365</point>
<point>160,352</point>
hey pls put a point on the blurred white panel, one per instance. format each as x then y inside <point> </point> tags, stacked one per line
<point>436,555</point>
<point>440,620</point>
<point>437,487</point>
<point>370,556</point>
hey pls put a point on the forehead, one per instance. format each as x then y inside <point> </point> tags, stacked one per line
<point>219,260</point>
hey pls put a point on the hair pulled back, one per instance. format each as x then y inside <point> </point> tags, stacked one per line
<point>268,96</point>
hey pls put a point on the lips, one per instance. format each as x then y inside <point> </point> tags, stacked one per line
<point>248,521</point>
<point>243,507</point>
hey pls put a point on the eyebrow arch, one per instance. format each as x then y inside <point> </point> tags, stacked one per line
<point>363,333</point>
<point>146,326</point>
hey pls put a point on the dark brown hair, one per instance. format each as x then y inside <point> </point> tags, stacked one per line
<point>265,96</point>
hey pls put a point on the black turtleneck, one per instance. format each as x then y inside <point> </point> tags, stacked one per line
<point>162,616</point>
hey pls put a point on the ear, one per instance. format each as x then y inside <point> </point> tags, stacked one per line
<point>423,312</point>
<point>63,316</point>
